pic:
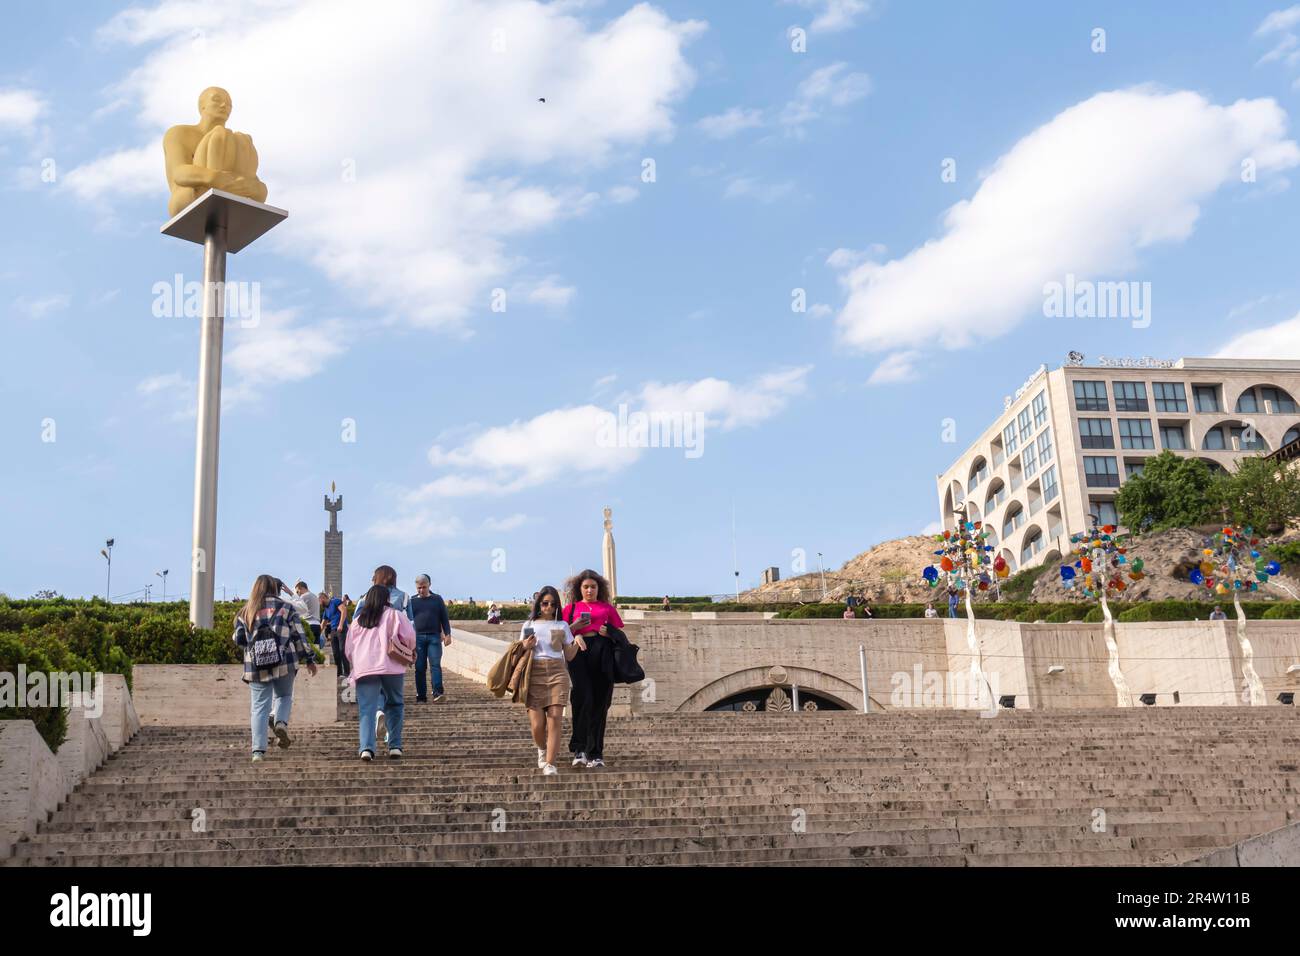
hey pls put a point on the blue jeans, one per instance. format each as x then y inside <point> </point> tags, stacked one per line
<point>375,693</point>
<point>264,693</point>
<point>428,647</point>
<point>952,610</point>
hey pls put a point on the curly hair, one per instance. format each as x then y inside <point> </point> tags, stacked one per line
<point>573,586</point>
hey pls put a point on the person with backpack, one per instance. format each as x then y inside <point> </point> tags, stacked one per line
<point>591,617</point>
<point>551,643</point>
<point>380,646</point>
<point>273,638</point>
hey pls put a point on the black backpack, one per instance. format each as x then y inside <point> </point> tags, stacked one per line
<point>264,647</point>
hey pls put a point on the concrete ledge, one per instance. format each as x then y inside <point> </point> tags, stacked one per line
<point>189,695</point>
<point>472,654</point>
<point>86,745</point>
<point>1279,847</point>
<point>32,783</point>
<point>120,721</point>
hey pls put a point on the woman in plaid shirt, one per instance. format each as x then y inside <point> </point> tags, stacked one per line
<point>271,634</point>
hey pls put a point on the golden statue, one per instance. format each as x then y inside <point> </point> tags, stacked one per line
<point>206,155</point>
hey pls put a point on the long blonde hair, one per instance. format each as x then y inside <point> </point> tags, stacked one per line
<point>264,585</point>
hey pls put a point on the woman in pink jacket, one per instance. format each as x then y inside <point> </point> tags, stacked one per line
<point>376,634</point>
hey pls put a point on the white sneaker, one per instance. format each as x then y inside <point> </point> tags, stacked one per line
<point>381,727</point>
<point>595,763</point>
<point>367,756</point>
<point>549,770</point>
<point>541,758</point>
<point>580,760</point>
<point>395,753</point>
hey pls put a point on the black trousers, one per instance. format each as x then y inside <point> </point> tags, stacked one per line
<point>590,694</point>
<point>336,645</point>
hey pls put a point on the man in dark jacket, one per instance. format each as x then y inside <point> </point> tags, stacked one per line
<point>428,614</point>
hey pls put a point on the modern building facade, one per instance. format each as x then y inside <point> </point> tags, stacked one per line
<point>1069,437</point>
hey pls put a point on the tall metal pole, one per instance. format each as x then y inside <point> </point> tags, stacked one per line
<point>862,664</point>
<point>203,558</point>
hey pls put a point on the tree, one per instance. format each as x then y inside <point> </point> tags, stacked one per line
<point>1261,493</point>
<point>1171,492</point>
<point>46,595</point>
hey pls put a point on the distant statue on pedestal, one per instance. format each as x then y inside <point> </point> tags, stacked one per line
<point>206,156</point>
<point>607,552</point>
<point>334,547</point>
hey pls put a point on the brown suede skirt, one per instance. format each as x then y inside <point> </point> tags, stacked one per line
<point>548,684</point>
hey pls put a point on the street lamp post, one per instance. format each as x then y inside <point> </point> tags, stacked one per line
<point>107,552</point>
<point>822,572</point>
<point>163,575</point>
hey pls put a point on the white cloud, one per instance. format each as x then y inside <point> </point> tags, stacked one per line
<point>415,526</point>
<point>622,194</point>
<point>1285,47</point>
<point>820,310</point>
<point>134,172</point>
<point>934,527</point>
<point>43,306</point>
<point>551,294</point>
<point>1082,194</point>
<point>422,228</point>
<point>830,86</point>
<point>1279,21</point>
<point>895,369</point>
<point>505,524</point>
<point>750,187</point>
<point>733,121</point>
<point>842,259</point>
<point>833,16</point>
<point>20,109</point>
<point>1281,341</point>
<point>564,443</point>
<point>160,383</point>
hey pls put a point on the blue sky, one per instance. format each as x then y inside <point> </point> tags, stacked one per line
<point>421,174</point>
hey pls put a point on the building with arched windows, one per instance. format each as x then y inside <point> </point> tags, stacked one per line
<point>1069,437</point>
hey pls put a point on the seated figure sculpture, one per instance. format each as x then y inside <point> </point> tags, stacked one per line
<point>206,156</point>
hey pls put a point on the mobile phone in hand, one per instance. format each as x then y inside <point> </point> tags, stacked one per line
<point>529,631</point>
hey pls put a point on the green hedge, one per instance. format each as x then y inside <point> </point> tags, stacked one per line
<point>478,612</point>
<point>51,722</point>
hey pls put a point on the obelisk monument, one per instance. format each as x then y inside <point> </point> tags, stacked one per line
<point>607,553</point>
<point>334,548</point>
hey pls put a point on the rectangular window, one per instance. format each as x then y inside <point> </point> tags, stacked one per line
<point>1090,397</point>
<point>1207,398</point>
<point>1214,440</point>
<point>1096,433</point>
<point>1135,433</point>
<point>1040,409</point>
<point>1104,509</point>
<point>1130,396</point>
<point>1029,460</point>
<point>1049,484</point>
<point>1026,426</point>
<point>1169,396</point>
<point>1045,447</point>
<point>1101,472</point>
<point>1172,436</point>
<point>1134,468</point>
<point>1009,439</point>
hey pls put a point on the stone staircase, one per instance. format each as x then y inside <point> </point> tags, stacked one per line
<point>1164,785</point>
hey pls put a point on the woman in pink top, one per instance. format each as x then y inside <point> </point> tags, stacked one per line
<point>590,615</point>
<point>375,674</point>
